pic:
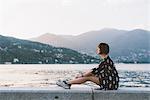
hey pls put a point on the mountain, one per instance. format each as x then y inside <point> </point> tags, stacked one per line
<point>55,40</point>
<point>86,42</point>
<point>133,45</point>
<point>13,50</point>
<point>89,40</point>
<point>126,46</point>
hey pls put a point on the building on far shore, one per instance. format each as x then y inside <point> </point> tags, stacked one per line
<point>7,62</point>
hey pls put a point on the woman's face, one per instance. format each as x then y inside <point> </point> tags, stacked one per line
<point>97,50</point>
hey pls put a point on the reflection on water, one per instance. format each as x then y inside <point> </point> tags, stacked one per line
<point>131,75</point>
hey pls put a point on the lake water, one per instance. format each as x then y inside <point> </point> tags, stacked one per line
<point>131,75</point>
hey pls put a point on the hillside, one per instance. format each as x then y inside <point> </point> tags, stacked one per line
<point>19,51</point>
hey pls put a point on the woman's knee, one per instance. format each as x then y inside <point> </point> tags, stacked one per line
<point>89,78</point>
<point>94,79</point>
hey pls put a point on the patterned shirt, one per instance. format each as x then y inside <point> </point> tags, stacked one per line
<point>107,74</point>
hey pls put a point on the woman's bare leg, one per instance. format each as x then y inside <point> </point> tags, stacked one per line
<point>84,79</point>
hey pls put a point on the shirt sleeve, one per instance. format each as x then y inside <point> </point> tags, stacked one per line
<point>97,70</point>
<point>94,70</point>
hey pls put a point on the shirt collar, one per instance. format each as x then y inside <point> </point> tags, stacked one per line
<point>106,58</point>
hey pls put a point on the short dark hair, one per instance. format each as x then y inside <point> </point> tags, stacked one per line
<point>104,48</point>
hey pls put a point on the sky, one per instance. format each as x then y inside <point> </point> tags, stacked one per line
<point>31,18</point>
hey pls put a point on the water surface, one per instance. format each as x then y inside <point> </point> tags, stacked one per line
<point>131,75</point>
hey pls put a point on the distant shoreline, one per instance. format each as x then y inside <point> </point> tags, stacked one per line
<point>63,64</point>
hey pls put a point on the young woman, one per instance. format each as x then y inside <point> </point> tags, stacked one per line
<point>105,75</point>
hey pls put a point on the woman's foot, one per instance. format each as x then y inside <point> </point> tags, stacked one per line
<point>63,84</point>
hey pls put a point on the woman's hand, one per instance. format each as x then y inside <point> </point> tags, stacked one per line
<point>84,74</point>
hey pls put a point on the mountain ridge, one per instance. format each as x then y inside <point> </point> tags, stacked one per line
<point>130,42</point>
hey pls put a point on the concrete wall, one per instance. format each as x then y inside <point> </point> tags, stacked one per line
<point>121,95</point>
<point>75,93</point>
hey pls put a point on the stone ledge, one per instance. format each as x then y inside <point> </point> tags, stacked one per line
<point>77,92</point>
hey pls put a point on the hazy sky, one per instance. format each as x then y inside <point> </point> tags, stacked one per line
<point>30,18</point>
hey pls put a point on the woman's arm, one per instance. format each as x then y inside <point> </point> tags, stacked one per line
<point>85,74</point>
<point>88,73</point>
